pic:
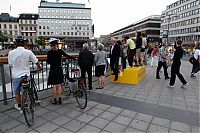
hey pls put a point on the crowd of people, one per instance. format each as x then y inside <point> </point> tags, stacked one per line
<point>135,52</point>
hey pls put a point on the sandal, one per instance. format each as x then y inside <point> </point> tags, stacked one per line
<point>98,87</point>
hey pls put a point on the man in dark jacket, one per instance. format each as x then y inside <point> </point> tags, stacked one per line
<point>175,69</point>
<point>114,57</point>
<point>85,61</point>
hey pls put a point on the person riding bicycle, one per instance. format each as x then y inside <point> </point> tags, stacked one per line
<point>56,73</point>
<point>19,60</point>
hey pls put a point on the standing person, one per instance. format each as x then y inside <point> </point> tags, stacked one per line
<point>100,61</point>
<point>85,61</point>
<point>143,49</point>
<point>124,55</point>
<point>56,73</point>
<point>195,61</point>
<point>139,59</point>
<point>114,57</point>
<point>131,50</point>
<point>162,62</point>
<point>175,69</point>
<point>154,57</point>
<point>19,60</point>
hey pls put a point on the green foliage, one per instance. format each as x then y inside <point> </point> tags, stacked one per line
<point>3,38</point>
<point>41,41</point>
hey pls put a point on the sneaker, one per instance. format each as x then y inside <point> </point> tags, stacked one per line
<point>184,85</point>
<point>171,86</point>
<point>18,108</point>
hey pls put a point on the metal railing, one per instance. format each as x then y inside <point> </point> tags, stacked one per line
<point>6,91</point>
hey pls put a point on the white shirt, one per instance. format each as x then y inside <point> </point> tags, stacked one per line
<point>112,48</point>
<point>144,42</point>
<point>196,53</point>
<point>19,60</point>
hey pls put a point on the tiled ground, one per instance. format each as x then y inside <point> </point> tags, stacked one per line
<point>148,107</point>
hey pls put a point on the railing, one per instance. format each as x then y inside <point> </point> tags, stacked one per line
<point>6,91</point>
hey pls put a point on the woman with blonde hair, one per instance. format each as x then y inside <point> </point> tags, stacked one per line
<point>100,61</point>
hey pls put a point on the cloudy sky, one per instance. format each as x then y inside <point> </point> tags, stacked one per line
<point>108,15</point>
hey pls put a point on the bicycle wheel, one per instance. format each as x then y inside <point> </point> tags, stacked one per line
<point>66,88</point>
<point>28,108</point>
<point>81,96</point>
<point>35,95</point>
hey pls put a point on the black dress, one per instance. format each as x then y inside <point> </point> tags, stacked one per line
<point>56,72</point>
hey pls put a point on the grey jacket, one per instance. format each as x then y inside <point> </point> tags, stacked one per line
<point>100,58</point>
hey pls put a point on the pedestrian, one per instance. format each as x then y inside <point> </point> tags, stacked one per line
<point>139,59</point>
<point>195,61</point>
<point>86,61</point>
<point>19,60</point>
<point>100,61</point>
<point>54,57</point>
<point>162,56</point>
<point>154,56</point>
<point>143,50</point>
<point>175,69</point>
<point>114,57</point>
<point>131,50</point>
<point>124,54</point>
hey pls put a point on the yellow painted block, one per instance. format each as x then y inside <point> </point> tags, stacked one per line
<point>131,75</point>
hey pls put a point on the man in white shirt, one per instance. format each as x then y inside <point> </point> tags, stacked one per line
<point>19,60</point>
<point>196,61</point>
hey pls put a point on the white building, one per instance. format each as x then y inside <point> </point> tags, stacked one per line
<point>9,26</point>
<point>64,20</point>
<point>181,19</point>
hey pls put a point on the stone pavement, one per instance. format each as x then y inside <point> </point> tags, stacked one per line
<point>148,107</point>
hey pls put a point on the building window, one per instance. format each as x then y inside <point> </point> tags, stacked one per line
<point>26,28</point>
<point>47,33</point>
<point>11,33</point>
<point>44,33</point>
<point>30,34</point>
<point>31,28</point>
<point>63,33</point>
<point>67,33</point>
<point>5,27</point>
<point>26,34</point>
<point>30,22</point>
<point>10,26</point>
<point>0,26</point>
<point>72,33</point>
<point>22,28</point>
<point>15,27</point>
<point>43,27</point>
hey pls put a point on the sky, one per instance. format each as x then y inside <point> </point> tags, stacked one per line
<point>107,15</point>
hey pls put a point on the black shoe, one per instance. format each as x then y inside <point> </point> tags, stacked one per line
<point>59,100</point>
<point>167,78</point>
<point>158,77</point>
<point>116,78</point>
<point>55,101</point>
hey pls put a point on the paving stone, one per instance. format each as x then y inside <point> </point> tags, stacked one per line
<point>92,103</point>
<point>74,125</point>
<point>61,120</point>
<point>174,131</point>
<point>61,130</point>
<point>15,114</point>
<point>128,113</point>
<point>41,111</point>
<point>115,127</point>
<point>144,117</point>
<point>62,110</point>
<point>161,122</point>
<point>50,115</point>
<point>180,126</point>
<point>99,122</point>
<point>5,118</point>
<point>9,125</point>
<point>108,115</point>
<point>102,106</point>
<point>115,110</point>
<point>132,130</point>
<point>48,127</point>
<point>123,120</point>
<point>88,129</point>
<point>195,129</point>
<point>85,118</point>
<point>141,125</point>
<point>20,128</point>
<point>38,122</point>
<point>73,113</point>
<point>95,111</point>
<point>155,128</point>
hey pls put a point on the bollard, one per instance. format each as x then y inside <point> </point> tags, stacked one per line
<point>3,84</point>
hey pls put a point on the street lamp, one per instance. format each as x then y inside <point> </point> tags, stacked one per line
<point>169,16</point>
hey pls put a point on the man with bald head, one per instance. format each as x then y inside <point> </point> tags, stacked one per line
<point>114,57</point>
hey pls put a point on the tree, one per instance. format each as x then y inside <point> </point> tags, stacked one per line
<point>3,38</point>
<point>41,41</point>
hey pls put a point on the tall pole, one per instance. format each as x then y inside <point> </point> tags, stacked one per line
<point>168,29</point>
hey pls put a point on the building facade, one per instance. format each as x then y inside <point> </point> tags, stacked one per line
<point>9,26</point>
<point>66,21</point>
<point>28,27</point>
<point>181,19</point>
<point>150,26</point>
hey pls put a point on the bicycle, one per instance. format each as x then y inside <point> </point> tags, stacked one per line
<point>75,86</point>
<point>29,97</point>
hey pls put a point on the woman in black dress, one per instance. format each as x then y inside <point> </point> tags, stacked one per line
<point>56,73</point>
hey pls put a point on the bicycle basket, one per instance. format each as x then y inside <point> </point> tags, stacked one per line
<point>73,86</point>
